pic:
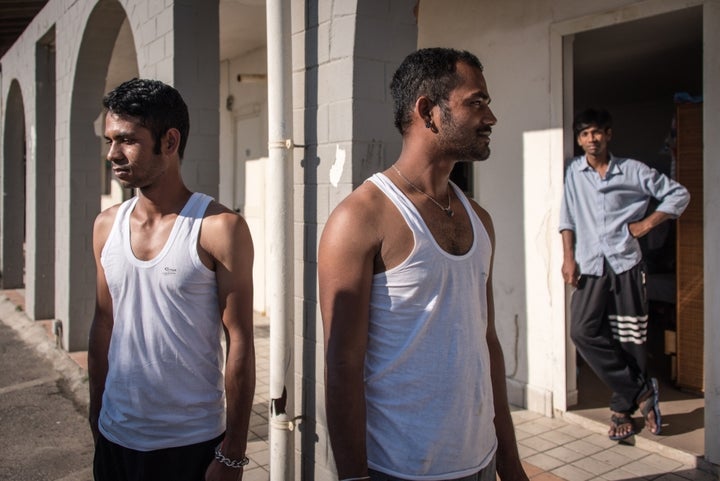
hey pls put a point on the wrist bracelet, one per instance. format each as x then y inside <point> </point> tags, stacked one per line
<point>230,463</point>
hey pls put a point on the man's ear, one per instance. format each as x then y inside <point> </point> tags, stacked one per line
<point>608,132</point>
<point>423,109</point>
<point>171,141</point>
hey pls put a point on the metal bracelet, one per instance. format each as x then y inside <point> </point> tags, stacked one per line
<point>230,463</point>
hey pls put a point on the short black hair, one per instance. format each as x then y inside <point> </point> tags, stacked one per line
<point>158,106</point>
<point>591,116</point>
<point>431,72</point>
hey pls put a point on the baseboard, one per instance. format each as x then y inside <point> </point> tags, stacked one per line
<point>529,397</point>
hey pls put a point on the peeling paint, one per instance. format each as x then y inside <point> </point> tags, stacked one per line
<point>337,168</point>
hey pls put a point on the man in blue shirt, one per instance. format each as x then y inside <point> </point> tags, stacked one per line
<point>604,213</point>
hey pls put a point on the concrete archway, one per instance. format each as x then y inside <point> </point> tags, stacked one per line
<point>75,279</point>
<point>40,178</point>
<point>12,234</point>
<point>123,66</point>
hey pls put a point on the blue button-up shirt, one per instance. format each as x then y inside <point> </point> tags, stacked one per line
<point>599,210</point>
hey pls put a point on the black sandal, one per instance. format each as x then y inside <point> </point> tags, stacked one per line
<point>621,420</point>
<point>652,404</point>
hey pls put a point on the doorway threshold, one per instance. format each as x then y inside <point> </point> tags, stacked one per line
<point>683,413</point>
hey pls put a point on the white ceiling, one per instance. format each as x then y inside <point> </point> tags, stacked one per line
<point>642,57</point>
<point>242,27</point>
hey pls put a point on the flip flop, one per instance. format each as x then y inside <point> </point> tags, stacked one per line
<point>618,420</point>
<point>653,403</point>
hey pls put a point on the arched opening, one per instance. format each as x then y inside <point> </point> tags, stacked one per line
<point>12,273</point>
<point>122,67</point>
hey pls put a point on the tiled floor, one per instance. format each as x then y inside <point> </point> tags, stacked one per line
<point>560,449</point>
<point>682,412</point>
<point>574,449</point>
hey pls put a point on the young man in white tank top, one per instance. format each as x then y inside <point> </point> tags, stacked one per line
<point>415,381</point>
<point>174,272</point>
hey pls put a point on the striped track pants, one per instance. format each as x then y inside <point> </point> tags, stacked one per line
<point>609,322</point>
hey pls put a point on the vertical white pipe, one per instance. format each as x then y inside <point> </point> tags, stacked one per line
<point>279,199</point>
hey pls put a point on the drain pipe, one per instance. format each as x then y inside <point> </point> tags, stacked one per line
<point>279,199</point>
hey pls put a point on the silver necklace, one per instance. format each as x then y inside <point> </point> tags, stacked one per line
<point>447,209</point>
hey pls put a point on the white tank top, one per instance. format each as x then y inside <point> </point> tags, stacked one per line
<point>165,385</point>
<point>427,369</point>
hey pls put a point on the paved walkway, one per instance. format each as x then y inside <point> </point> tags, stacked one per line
<point>569,449</point>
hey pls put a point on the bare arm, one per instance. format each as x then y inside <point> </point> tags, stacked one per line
<point>345,267</point>
<point>509,466</point>
<point>225,236</point>
<point>570,271</point>
<point>642,227</point>
<point>102,323</point>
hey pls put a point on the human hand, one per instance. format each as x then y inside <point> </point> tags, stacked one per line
<point>513,472</point>
<point>518,475</point>
<point>94,429</point>
<point>638,229</point>
<point>570,272</point>
<point>219,472</point>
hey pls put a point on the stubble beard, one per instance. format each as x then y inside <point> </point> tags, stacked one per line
<point>464,145</point>
<point>143,178</point>
<point>125,184</point>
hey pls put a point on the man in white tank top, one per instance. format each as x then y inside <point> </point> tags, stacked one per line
<point>415,381</point>
<point>174,273</point>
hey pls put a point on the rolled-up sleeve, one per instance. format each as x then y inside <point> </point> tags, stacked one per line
<point>599,209</point>
<point>567,221</point>
<point>673,196</point>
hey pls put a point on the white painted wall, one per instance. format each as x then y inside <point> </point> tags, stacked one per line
<point>243,148</point>
<point>518,183</point>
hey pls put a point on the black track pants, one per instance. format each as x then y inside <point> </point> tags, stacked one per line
<point>609,319</point>
<point>186,463</point>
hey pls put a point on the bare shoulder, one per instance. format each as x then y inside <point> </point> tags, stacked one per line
<point>104,222</point>
<point>220,223</point>
<point>361,202</point>
<point>107,216</point>
<point>224,238</point>
<point>218,212</point>
<point>485,218</point>
<point>358,216</point>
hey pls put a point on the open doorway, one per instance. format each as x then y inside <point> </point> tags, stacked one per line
<point>638,70</point>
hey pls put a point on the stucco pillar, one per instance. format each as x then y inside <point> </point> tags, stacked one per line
<point>40,230</point>
<point>711,177</point>
<point>344,56</point>
<point>196,74</point>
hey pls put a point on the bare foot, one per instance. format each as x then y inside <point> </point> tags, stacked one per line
<point>621,426</point>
